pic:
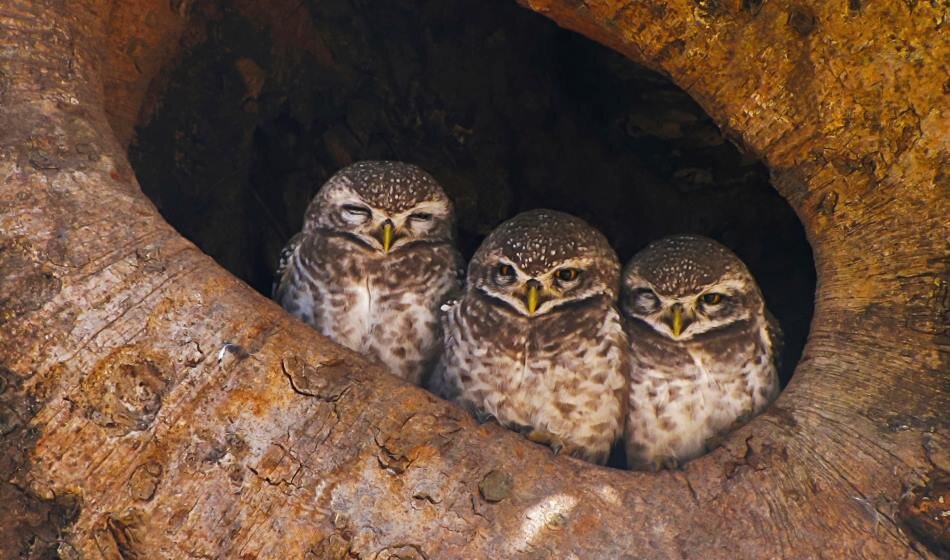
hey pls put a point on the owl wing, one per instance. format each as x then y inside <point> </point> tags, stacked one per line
<point>776,338</point>
<point>439,381</point>
<point>286,255</point>
<point>459,277</point>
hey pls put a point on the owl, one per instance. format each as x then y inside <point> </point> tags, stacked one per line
<point>703,349</point>
<point>374,262</point>
<point>536,340</point>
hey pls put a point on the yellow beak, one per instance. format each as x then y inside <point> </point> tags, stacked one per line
<point>677,320</point>
<point>387,236</point>
<point>532,299</point>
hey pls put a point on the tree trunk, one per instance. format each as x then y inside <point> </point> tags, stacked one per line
<point>151,405</point>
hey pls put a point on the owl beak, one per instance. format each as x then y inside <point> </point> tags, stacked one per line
<point>531,300</point>
<point>386,235</point>
<point>678,319</point>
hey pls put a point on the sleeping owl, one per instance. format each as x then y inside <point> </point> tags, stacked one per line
<point>375,260</point>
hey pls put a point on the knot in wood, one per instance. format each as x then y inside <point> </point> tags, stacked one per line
<point>401,552</point>
<point>802,20</point>
<point>124,390</point>
<point>420,436</point>
<point>925,511</point>
<point>66,509</point>
<point>118,536</point>
<point>327,381</point>
<point>5,377</point>
<point>9,420</point>
<point>496,486</point>
<point>27,285</point>
<point>752,6</point>
<point>336,546</point>
<point>144,481</point>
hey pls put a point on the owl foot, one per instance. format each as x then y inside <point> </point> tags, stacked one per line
<point>556,444</point>
<point>483,416</point>
<point>664,463</point>
<point>716,440</point>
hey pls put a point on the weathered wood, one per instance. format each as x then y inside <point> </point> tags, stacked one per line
<point>153,406</point>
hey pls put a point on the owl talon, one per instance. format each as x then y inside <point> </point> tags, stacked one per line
<point>714,442</point>
<point>557,445</point>
<point>483,417</point>
<point>718,439</point>
<point>537,436</point>
<point>545,438</point>
<point>664,463</point>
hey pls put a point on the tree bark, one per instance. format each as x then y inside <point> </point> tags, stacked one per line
<point>151,405</point>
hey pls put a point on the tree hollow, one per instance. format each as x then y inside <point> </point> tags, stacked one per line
<point>152,405</point>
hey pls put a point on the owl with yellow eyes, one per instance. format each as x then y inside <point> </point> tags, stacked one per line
<point>373,264</point>
<point>536,340</point>
<point>703,348</point>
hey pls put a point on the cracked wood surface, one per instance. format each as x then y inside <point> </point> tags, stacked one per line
<point>153,406</point>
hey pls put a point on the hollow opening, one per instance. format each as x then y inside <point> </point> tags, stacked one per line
<point>508,111</point>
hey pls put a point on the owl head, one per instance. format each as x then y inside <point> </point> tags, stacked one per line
<point>543,261</point>
<point>382,206</point>
<point>686,285</point>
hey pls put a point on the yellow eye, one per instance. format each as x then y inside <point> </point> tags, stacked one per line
<point>712,299</point>
<point>567,274</point>
<point>505,275</point>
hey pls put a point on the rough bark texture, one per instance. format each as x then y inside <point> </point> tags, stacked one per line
<point>153,406</point>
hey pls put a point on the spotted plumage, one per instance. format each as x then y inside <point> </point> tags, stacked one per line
<point>536,340</point>
<point>703,349</point>
<point>375,260</point>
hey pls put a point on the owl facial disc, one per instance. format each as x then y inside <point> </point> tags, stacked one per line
<point>542,261</point>
<point>684,286</point>
<point>382,206</point>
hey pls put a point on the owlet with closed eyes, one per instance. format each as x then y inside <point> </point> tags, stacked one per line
<point>375,260</point>
<point>703,349</point>
<point>536,340</point>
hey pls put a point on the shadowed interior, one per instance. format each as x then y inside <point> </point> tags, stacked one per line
<point>508,111</point>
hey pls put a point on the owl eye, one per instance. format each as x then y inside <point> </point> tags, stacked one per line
<point>420,217</point>
<point>567,274</point>
<point>645,299</point>
<point>504,274</point>
<point>711,299</point>
<point>355,213</point>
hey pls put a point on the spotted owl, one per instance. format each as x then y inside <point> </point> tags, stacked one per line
<point>374,262</point>
<point>535,340</point>
<point>703,349</point>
